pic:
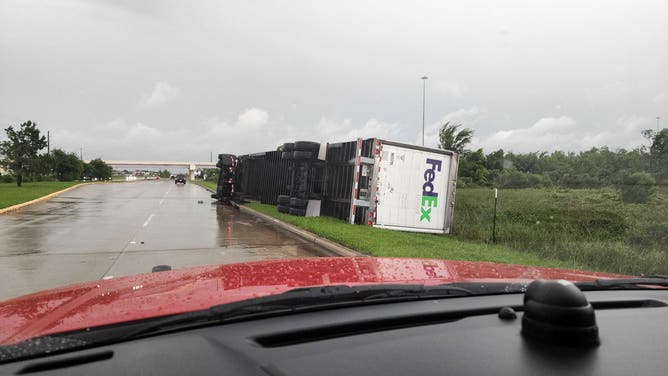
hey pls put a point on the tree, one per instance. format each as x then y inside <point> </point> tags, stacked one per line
<point>451,138</point>
<point>660,143</point>
<point>472,165</point>
<point>98,169</point>
<point>212,174</point>
<point>495,160</point>
<point>19,153</point>
<point>659,155</point>
<point>66,166</point>
<point>164,174</point>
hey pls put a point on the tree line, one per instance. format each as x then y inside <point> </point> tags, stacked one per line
<point>629,170</point>
<point>22,159</point>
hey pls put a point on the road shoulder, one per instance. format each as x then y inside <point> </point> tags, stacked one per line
<point>332,248</point>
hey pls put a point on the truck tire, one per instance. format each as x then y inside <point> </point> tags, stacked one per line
<point>301,154</point>
<point>298,202</point>
<point>298,212</point>
<point>283,209</point>
<point>288,146</point>
<point>287,155</point>
<point>307,146</point>
<point>283,200</point>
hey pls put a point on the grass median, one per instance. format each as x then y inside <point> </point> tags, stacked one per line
<point>590,227</point>
<point>206,184</point>
<point>11,195</point>
<point>387,243</point>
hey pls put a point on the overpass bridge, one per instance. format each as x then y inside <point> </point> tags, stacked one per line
<point>192,166</point>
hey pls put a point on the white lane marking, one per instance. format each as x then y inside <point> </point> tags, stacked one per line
<point>165,195</point>
<point>148,220</point>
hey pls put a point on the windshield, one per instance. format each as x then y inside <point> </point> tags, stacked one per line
<point>478,142</point>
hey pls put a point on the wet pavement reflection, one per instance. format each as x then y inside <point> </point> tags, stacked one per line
<point>118,229</point>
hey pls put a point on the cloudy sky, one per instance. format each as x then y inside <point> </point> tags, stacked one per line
<point>173,80</point>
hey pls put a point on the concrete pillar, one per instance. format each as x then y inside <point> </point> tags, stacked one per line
<point>191,172</point>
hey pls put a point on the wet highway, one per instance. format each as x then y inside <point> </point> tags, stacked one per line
<point>118,229</point>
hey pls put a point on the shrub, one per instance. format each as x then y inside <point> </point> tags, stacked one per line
<point>512,179</point>
<point>464,182</point>
<point>637,187</point>
<point>534,180</point>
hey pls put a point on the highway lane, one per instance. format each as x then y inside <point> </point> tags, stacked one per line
<point>119,229</point>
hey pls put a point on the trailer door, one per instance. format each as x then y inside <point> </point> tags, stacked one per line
<point>412,189</point>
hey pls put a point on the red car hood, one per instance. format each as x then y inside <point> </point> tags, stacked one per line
<point>142,296</point>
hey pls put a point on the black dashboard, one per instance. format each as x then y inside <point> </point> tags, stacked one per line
<point>462,335</point>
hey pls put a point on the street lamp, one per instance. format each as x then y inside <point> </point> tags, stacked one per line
<point>657,122</point>
<point>424,84</point>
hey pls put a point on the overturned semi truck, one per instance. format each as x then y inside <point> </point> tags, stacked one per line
<point>373,182</point>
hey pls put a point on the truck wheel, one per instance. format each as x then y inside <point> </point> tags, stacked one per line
<point>284,200</point>
<point>300,154</point>
<point>298,202</point>
<point>298,212</point>
<point>307,146</point>
<point>288,146</point>
<point>287,155</point>
<point>283,209</point>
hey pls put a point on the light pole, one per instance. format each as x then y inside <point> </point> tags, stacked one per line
<point>657,122</point>
<point>424,85</point>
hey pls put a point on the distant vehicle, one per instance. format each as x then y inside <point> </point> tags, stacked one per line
<point>172,177</point>
<point>180,179</point>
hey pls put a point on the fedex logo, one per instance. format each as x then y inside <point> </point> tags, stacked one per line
<point>429,197</point>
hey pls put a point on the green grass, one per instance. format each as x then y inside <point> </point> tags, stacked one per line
<point>589,227</point>
<point>10,194</point>
<point>388,243</point>
<point>207,184</point>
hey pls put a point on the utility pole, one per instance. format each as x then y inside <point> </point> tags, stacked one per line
<point>210,156</point>
<point>657,123</point>
<point>424,85</point>
<point>81,153</point>
<point>48,142</point>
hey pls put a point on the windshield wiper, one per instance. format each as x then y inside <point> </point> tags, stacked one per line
<point>623,284</point>
<point>306,299</point>
<point>336,294</point>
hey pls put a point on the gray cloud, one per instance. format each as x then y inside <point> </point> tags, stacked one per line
<point>161,94</point>
<point>173,80</point>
